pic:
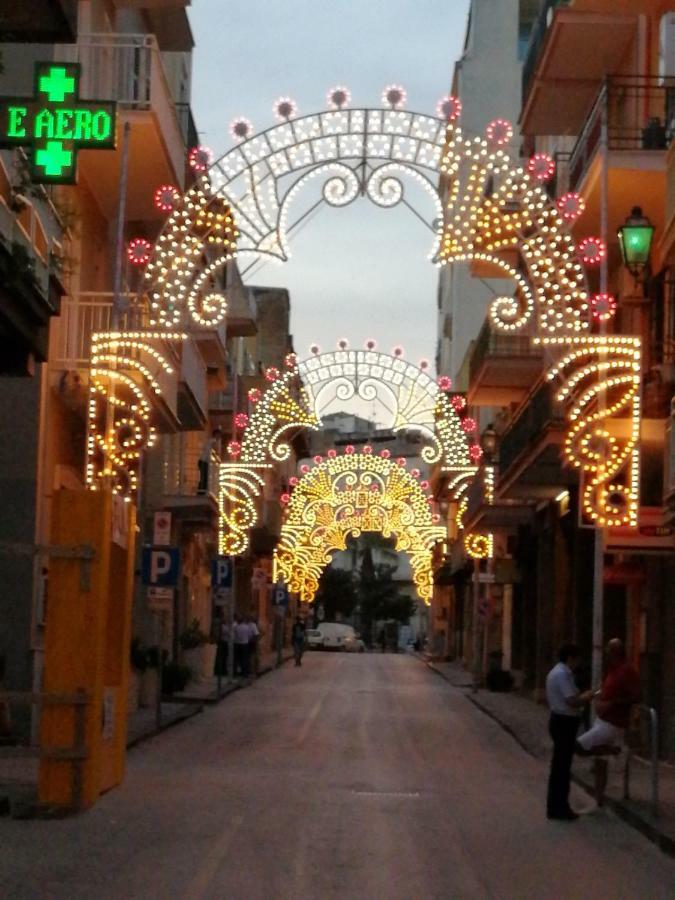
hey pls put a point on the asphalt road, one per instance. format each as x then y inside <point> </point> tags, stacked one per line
<point>356,776</point>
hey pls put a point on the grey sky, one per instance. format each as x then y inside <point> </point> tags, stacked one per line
<point>356,272</point>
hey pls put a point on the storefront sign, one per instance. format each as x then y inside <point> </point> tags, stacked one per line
<point>54,124</point>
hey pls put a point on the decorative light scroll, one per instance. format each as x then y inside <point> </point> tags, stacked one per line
<point>126,371</point>
<point>348,495</point>
<point>600,382</point>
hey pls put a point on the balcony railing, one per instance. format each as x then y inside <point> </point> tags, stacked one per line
<point>13,233</point>
<point>539,412</point>
<point>491,344</point>
<point>89,313</point>
<point>537,38</point>
<point>181,466</point>
<point>640,116</point>
<point>128,68</point>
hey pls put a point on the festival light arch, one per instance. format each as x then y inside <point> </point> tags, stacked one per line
<point>348,495</point>
<point>497,214</point>
<point>297,398</point>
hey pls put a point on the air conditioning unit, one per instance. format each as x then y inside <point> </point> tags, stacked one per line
<point>667,47</point>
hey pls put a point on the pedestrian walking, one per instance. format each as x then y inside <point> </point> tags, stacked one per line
<point>298,639</point>
<point>241,647</point>
<point>613,703</point>
<point>253,646</point>
<point>565,702</point>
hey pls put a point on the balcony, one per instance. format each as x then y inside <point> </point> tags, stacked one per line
<point>180,480</point>
<point>570,53</point>
<point>502,368</point>
<point>30,292</point>
<point>128,68</point>
<point>193,401</point>
<point>530,464</point>
<point>502,514</point>
<point>640,119</point>
<point>91,312</point>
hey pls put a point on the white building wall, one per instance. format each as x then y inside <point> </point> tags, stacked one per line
<point>487,79</point>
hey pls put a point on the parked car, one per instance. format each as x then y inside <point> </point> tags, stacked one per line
<point>334,636</point>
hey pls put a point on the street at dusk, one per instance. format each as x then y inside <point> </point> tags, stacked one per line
<point>337,449</point>
<point>354,776</point>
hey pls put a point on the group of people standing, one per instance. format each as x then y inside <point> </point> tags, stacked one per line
<point>613,704</point>
<point>246,638</point>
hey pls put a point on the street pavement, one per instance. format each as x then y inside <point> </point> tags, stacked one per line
<point>355,776</point>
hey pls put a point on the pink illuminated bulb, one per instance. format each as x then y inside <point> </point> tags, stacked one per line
<point>304,468</point>
<point>271,374</point>
<point>397,351</point>
<point>541,166</point>
<point>570,206</point>
<point>385,454</point>
<point>424,485</point>
<point>592,250</point>
<point>200,158</point>
<point>475,452</point>
<point>349,449</point>
<point>458,402</point>
<point>468,424</point>
<point>401,461</point>
<point>254,395</point>
<point>444,382</point>
<point>499,132</point>
<point>290,360</point>
<point>331,453</point>
<point>318,459</point>
<point>241,420</point>
<point>449,108</point>
<point>285,498</point>
<point>293,480</point>
<point>367,449</point>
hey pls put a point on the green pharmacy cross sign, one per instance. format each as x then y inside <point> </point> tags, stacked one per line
<point>55,123</point>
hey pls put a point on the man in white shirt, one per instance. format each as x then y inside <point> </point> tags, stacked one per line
<point>242,656</point>
<point>565,702</point>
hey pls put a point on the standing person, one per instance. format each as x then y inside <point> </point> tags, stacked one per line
<point>566,703</point>
<point>298,635</point>
<point>241,647</point>
<point>222,653</point>
<point>253,645</point>
<point>211,444</point>
<point>613,702</point>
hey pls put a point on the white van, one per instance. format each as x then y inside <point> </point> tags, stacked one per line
<point>331,636</point>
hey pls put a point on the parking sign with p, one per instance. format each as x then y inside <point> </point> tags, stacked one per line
<point>161,566</point>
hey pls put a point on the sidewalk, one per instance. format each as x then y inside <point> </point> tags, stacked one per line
<point>19,765</point>
<point>527,722</point>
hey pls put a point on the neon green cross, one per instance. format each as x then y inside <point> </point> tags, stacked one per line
<point>53,158</point>
<point>56,84</point>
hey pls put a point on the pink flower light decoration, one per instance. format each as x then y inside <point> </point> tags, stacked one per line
<point>349,449</point>
<point>444,382</point>
<point>304,468</point>
<point>290,360</point>
<point>166,197</point>
<point>254,395</point>
<point>397,351</point>
<point>395,96</point>
<point>415,473</point>
<point>458,402</point>
<point>241,420</point>
<point>499,132</point>
<point>285,498</point>
<point>449,108</point>
<point>271,374</point>
<point>293,480</point>
<point>241,128</point>
<point>401,461</point>
<point>315,349</point>
<point>424,485</point>
<point>541,166</point>
<point>138,251</point>
<point>371,344</point>
<point>285,109</point>
<point>385,454</point>
<point>367,450</point>
<point>592,250</point>
<point>318,459</point>
<point>475,452</point>
<point>200,158</point>
<point>234,449</point>
<point>331,453</point>
<point>603,307</point>
<point>468,425</point>
<point>339,97</point>
<point>570,206</point>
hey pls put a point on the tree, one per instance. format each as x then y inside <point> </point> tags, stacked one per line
<point>379,595</point>
<point>337,593</point>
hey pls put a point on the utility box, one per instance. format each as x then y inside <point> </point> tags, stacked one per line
<point>87,640</point>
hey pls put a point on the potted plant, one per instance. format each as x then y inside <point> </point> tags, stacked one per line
<point>198,653</point>
<point>175,677</point>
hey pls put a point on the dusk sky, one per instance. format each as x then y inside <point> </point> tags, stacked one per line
<point>360,271</point>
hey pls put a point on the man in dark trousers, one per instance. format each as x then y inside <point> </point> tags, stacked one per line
<point>566,703</point>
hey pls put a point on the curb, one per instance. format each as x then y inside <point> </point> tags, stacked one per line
<point>665,843</point>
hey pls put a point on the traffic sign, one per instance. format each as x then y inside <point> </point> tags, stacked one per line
<point>161,566</point>
<point>221,571</point>
<point>160,599</point>
<point>161,530</point>
<point>280,595</point>
<point>222,596</point>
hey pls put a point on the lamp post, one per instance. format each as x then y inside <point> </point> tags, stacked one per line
<point>635,241</point>
<point>489,442</point>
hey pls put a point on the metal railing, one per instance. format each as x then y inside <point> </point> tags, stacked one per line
<point>537,38</point>
<point>81,317</point>
<point>649,724</point>
<point>180,477</point>
<point>539,411</point>
<point>128,68</point>
<point>12,232</point>
<point>640,115</point>
<point>491,343</point>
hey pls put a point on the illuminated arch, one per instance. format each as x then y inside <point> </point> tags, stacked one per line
<point>348,495</point>
<point>497,214</point>
<point>297,398</point>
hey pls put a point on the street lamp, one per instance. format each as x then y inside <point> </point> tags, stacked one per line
<point>635,240</point>
<point>489,442</point>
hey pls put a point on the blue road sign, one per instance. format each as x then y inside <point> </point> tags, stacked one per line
<point>280,595</point>
<point>161,566</point>
<point>221,571</point>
